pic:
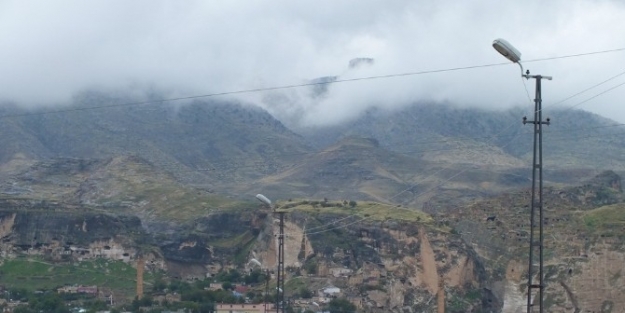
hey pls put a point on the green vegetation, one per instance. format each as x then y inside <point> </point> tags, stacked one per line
<point>605,219</point>
<point>170,200</point>
<point>311,266</point>
<point>305,293</point>
<point>33,273</point>
<point>371,210</point>
<point>295,284</point>
<point>341,305</point>
<point>50,302</point>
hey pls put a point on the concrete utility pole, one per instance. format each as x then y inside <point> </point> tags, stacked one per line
<point>537,199</point>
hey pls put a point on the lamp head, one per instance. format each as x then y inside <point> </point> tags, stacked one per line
<point>263,199</point>
<point>507,50</point>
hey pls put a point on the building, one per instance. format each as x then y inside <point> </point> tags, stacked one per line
<point>340,271</point>
<point>331,291</point>
<point>241,289</point>
<point>215,286</point>
<point>79,289</point>
<point>244,308</point>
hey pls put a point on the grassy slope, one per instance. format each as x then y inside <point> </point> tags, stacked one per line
<point>606,220</point>
<point>371,210</point>
<point>120,183</point>
<point>34,273</point>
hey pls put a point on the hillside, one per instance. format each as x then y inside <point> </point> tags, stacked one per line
<point>443,132</point>
<point>358,168</point>
<point>229,148</point>
<point>583,244</point>
<point>384,257</point>
<point>125,184</point>
<point>199,142</point>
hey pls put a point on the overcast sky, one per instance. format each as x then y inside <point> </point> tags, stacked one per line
<point>50,50</point>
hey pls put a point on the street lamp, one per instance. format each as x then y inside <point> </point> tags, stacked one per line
<point>280,275</point>
<point>263,199</point>
<point>512,54</point>
<point>507,50</point>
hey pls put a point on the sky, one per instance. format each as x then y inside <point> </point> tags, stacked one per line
<point>51,51</point>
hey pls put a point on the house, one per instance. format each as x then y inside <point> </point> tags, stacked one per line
<point>340,271</point>
<point>331,291</point>
<point>214,286</point>
<point>241,289</point>
<point>321,299</point>
<point>244,308</point>
<point>79,289</point>
<point>169,297</point>
<point>87,289</point>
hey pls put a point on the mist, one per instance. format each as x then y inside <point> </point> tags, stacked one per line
<point>49,52</point>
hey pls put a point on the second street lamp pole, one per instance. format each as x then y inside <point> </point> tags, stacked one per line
<point>280,305</point>
<point>280,296</point>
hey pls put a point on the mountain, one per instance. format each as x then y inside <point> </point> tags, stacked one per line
<point>358,168</point>
<point>424,154</point>
<point>392,220</point>
<point>200,142</point>
<point>443,132</point>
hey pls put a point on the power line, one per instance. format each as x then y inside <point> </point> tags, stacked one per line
<point>292,86</point>
<point>597,95</point>
<point>587,89</point>
<point>574,55</point>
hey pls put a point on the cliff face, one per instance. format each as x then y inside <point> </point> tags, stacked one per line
<point>383,266</point>
<point>384,259</point>
<point>584,245</point>
<point>27,224</point>
<point>59,237</point>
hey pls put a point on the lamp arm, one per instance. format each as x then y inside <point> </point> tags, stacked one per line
<point>522,71</point>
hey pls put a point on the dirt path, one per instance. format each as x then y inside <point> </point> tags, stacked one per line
<point>430,273</point>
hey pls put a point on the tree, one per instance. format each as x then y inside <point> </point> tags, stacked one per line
<point>95,305</point>
<point>227,286</point>
<point>341,305</point>
<point>254,277</point>
<point>159,284</point>
<point>305,293</point>
<point>311,266</point>
<point>207,308</point>
<point>352,203</point>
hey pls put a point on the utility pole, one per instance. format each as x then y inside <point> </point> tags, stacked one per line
<point>280,285</point>
<point>280,305</point>
<point>267,278</point>
<point>537,199</point>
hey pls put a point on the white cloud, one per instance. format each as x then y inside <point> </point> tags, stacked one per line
<point>51,50</point>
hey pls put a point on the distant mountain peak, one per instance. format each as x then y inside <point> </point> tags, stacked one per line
<point>358,62</point>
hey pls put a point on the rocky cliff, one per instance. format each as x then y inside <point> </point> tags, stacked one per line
<point>384,258</point>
